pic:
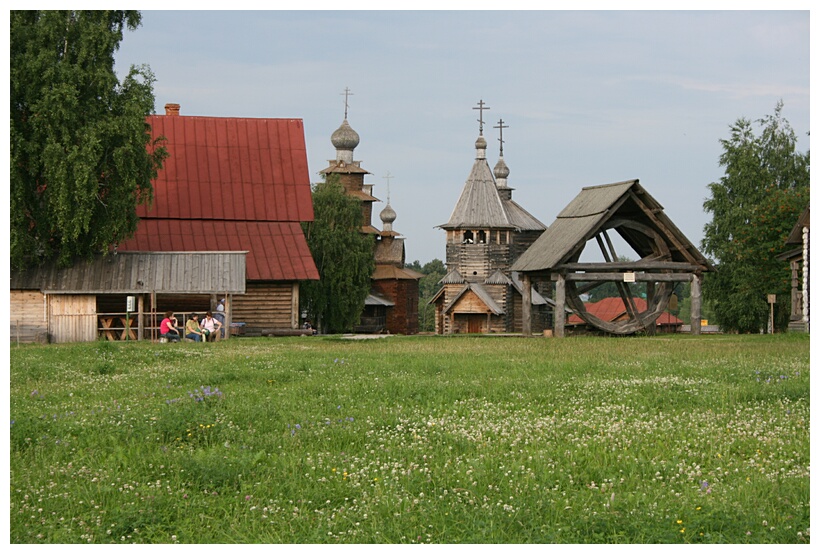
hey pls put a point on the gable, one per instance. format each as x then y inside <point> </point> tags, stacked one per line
<point>595,208</point>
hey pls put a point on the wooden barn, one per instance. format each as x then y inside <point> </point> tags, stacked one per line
<point>120,296</point>
<point>665,256</point>
<point>487,231</point>
<point>235,184</point>
<point>392,305</point>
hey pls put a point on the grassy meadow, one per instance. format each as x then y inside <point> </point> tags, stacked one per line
<point>671,439</point>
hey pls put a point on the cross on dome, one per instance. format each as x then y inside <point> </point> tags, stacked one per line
<point>481,107</point>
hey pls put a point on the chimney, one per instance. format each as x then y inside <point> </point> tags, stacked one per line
<point>171,109</point>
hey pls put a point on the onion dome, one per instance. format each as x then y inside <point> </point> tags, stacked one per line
<point>501,171</point>
<point>481,147</point>
<point>345,138</point>
<point>388,216</point>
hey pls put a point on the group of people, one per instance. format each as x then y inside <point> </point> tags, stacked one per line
<point>208,329</point>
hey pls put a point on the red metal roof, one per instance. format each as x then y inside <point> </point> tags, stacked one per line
<point>231,168</point>
<point>610,309</point>
<point>231,184</point>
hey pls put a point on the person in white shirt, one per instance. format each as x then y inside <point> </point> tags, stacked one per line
<point>211,325</point>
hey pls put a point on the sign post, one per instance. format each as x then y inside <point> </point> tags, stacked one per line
<point>772,300</point>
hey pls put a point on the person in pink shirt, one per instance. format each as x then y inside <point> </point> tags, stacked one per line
<point>168,327</point>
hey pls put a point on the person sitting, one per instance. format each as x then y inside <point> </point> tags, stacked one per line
<point>193,331</point>
<point>168,328</point>
<point>211,326</point>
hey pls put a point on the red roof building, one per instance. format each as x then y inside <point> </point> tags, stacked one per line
<point>613,309</point>
<point>235,184</point>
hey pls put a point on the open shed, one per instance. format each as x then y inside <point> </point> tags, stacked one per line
<point>89,300</point>
<point>665,256</point>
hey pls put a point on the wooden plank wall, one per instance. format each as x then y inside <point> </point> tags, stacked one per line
<point>28,321</point>
<point>72,317</point>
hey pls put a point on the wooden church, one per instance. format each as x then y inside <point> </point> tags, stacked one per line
<point>392,304</point>
<point>486,233</point>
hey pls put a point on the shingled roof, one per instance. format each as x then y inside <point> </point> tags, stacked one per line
<point>588,212</point>
<point>481,206</point>
<point>231,184</point>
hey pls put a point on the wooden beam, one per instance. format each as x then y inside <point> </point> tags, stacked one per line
<point>618,277</point>
<point>668,232</point>
<point>621,266</point>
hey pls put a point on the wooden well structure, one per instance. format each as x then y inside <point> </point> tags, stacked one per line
<point>627,209</point>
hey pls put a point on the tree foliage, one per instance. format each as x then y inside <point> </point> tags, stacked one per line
<point>754,207</point>
<point>81,157</point>
<point>428,286</point>
<point>343,256</point>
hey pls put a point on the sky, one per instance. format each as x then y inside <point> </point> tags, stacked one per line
<point>587,97</point>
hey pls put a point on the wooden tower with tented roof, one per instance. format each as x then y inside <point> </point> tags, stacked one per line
<point>487,231</point>
<point>392,304</point>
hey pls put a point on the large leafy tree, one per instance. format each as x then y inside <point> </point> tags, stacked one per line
<point>754,206</point>
<point>428,286</point>
<point>343,256</point>
<point>81,153</point>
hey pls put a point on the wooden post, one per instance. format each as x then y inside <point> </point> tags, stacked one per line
<point>228,314</point>
<point>772,299</point>
<point>140,312</point>
<point>652,327</point>
<point>154,330</point>
<point>560,305</point>
<point>695,302</point>
<point>526,306</point>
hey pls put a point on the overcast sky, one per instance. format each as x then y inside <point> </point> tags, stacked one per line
<point>590,97</point>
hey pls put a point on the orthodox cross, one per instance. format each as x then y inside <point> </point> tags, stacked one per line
<point>480,120</point>
<point>346,94</point>
<point>388,177</point>
<point>501,128</point>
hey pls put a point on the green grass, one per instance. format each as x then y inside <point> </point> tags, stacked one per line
<point>671,439</point>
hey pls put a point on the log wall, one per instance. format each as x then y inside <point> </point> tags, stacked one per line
<point>268,305</point>
<point>403,317</point>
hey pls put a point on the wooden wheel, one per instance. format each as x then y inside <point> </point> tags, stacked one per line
<point>649,245</point>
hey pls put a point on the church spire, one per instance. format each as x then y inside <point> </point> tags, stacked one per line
<point>345,139</point>
<point>388,214</point>
<point>481,142</point>
<point>501,171</point>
